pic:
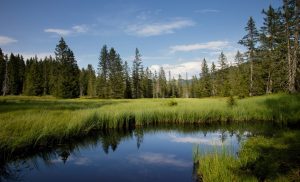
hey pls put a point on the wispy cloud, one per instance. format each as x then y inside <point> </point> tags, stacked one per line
<point>190,67</point>
<point>65,32</point>
<point>213,45</point>
<point>207,11</point>
<point>154,29</point>
<point>197,140</point>
<point>159,159</point>
<point>6,40</point>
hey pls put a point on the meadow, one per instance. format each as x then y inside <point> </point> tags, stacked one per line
<point>34,122</point>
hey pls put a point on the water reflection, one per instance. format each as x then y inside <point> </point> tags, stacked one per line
<point>157,153</point>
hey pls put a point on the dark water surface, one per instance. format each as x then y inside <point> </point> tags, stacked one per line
<point>144,154</point>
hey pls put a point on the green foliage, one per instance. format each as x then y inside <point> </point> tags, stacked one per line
<point>28,121</point>
<point>231,101</point>
<point>68,79</point>
<point>172,103</point>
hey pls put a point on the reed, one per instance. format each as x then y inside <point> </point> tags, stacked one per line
<point>37,121</point>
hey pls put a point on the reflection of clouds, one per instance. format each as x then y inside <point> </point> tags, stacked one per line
<point>197,140</point>
<point>80,161</point>
<point>159,158</point>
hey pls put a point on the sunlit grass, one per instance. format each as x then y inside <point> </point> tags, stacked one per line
<point>259,159</point>
<point>32,121</point>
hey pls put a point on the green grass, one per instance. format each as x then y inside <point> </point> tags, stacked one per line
<point>275,158</point>
<point>30,122</point>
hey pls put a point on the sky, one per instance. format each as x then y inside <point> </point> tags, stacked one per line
<point>175,34</point>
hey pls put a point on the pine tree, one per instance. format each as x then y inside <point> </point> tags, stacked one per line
<point>213,79</point>
<point>83,82</point>
<point>162,80</point>
<point>271,38</point>
<point>239,77</point>
<point>91,81</point>
<point>249,41</point>
<point>128,82</point>
<point>2,71</point>
<point>16,70</point>
<point>68,82</point>
<point>5,86</point>
<point>205,80</point>
<point>102,80</point>
<point>136,75</point>
<point>33,77</point>
<point>222,76</point>
<point>116,75</point>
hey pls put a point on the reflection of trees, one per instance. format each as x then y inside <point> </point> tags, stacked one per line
<point>223,136</point>
<point>26,160</point>
<point>139,134</point>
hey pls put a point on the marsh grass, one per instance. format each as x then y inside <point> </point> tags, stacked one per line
<point>42,121</point>
<point>260,158</point>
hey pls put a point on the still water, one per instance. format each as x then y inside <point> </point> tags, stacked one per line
<point>143,154</point>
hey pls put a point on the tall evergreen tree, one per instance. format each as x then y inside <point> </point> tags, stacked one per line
<point>213,79</point>
<point>249,41</point>
<point>68,82</point>
<point>205,80</point>
<point>137,75</point>
<point>91,81</point>
<point>271,39</point>
<point>116,75</point>
<point>128,89</point>
<point>2,71</point>
<point>16,71</point>
<point>33,77</point>
<point>222,76</point>
<point>102,80</point>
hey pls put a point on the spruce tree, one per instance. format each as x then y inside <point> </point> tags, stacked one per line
<point>128,89</point>
<point>68,81</point>
<point>137,75</point>
<point>249,41</point>
<point>91,81</point>
<point>205,80</point>
<point>102,80</point>
<point>271,39</point>
<point>2,71</point>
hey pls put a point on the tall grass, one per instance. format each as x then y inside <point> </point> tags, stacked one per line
<point>39,121</point>
<point>259,159</point>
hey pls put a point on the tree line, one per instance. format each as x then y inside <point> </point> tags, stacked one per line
<point>269,65</point>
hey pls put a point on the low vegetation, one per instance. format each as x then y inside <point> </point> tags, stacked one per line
<point>30,122</point>
<point>261,158</point>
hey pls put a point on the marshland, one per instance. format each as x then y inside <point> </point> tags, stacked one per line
<point>150,91</point>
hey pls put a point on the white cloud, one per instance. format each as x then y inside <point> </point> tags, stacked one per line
<point>213,45</point>
<point>190,67</point>
<point>80,28</point>
<point>147,30</point>
<point>65,32</point>
<point>159,159</point>
<point>207,11</point>
<point>62,32</point>
<point>197,140</point>
<point>6,40</point>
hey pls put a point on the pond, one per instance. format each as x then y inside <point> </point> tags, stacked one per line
<point>160,153</point>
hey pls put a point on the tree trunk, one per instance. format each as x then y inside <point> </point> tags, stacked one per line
<point>251,74</point>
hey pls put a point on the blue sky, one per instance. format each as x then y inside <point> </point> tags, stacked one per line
<point>176,34</point>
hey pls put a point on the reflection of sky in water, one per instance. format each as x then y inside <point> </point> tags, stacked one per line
<point>161,156</point>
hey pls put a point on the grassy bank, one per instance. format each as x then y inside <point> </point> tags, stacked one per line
<point>39,121</point>
<point>275,158</point>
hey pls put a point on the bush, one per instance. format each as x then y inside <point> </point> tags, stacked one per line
<point>231,101</point>
<point>172,103</point>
